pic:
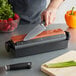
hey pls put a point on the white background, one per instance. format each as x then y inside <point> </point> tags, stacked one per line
<point>65,6</point>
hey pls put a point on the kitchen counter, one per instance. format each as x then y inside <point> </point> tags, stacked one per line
<point>37,60</point>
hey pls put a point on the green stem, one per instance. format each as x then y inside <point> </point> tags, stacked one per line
<point>72,11</point>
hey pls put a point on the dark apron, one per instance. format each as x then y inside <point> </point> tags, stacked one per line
<point>29,10</point>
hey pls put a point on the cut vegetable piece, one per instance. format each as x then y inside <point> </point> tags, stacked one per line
<point>60,64</point>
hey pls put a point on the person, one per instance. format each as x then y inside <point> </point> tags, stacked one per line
<point>35,11</point>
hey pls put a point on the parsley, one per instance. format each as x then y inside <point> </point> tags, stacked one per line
<point>5,10</point>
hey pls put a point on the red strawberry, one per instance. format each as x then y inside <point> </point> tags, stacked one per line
<point>5,21</point>
<point>14,24</point>
<point>12,28</point>
<point>6,28</point>
<point>0,20</point>
<point>0,24</point>
<point>16,16</point>
<point>10,19</point>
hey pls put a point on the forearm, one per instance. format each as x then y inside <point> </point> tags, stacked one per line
<point>54,4</point>
<point>49,14</point>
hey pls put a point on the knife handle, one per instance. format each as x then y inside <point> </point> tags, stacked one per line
<point>18,66</point>
<point>43,22</point>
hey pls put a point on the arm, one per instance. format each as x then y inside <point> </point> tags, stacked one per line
<point>54,4</point>
<point>50,13</point>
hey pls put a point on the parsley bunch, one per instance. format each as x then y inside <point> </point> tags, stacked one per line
<point>5,10</point>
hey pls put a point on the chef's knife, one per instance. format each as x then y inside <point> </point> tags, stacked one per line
<point>17,66</point>
<point>37,30</point>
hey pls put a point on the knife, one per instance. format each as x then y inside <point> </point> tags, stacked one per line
<point>17,66</point>
<point>37,30</point>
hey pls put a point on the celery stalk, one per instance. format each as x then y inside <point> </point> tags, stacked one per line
<point>60,64</point>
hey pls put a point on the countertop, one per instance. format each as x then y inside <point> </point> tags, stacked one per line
<point>37,60</point>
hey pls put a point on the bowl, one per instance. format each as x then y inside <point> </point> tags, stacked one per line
<point>9,25</point>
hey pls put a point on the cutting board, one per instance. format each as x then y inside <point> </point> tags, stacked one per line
<point>67,71</point>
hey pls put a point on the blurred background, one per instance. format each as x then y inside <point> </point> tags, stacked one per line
<point>65,6</point>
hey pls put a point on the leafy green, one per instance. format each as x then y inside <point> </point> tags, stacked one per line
<point>5,10</point>
<point>60,64</point>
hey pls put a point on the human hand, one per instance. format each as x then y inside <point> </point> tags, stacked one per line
<point>48,16</point>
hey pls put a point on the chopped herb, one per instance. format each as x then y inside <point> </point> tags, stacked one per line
<point>5,10</point>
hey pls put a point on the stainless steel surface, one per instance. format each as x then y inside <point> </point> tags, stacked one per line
<point>36,60</point>
<point>34,32</point>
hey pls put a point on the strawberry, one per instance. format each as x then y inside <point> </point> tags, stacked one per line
<point>16,16</point>
<point>10,19</point>
<point>0,20</point>
<point>12,28</point>
<point>6,28</point>
<point>14,25</point>
<point>5,21</point>
<point>1,24</point>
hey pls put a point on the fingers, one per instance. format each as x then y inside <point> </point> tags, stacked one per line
<point>48,17</point>
<point>45,17</point>
<point>52,18</point>
<point>42,17</point>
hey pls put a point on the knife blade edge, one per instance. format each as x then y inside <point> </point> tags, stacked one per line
<point>37,30</point>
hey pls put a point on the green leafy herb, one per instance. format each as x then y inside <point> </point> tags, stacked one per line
<point>5,10</point>
<point>60,64</point>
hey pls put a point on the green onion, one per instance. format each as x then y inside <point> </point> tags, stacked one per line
<point>60,64</point>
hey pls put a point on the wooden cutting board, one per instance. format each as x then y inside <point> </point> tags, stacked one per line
<point>67,71</point>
